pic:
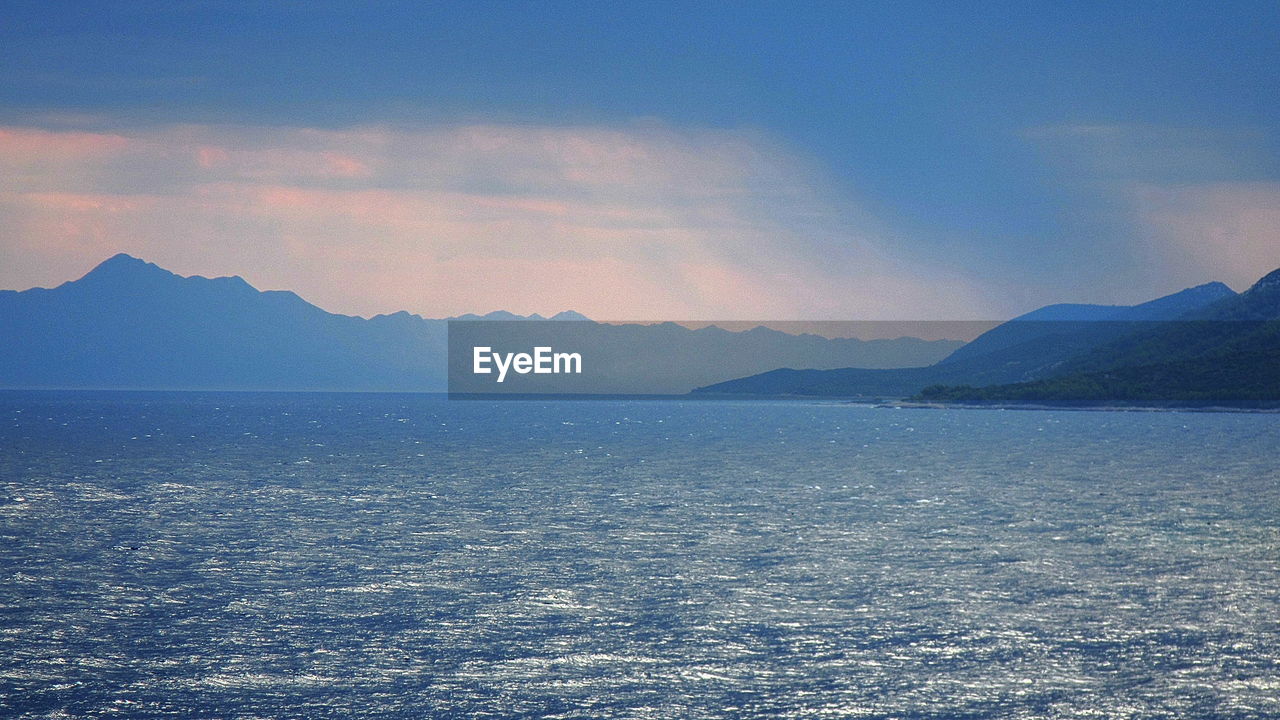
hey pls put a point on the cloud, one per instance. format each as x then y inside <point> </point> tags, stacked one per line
<point>1132,153</point>
<point>642,221</point>
<point>1231,230</point>
<point>1187,205</point>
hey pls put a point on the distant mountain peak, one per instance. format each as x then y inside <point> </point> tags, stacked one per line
<point>1214,286</point>
<point>122,258</point>
<point>1270,280</point>
<point>1213,289</point>
<point>1210,290</point>
<point>126,273</point>
<point>122,261</point>
<point>510,316</point>
<point>123,266</point>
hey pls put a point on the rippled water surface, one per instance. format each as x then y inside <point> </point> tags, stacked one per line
<point>291,555</point>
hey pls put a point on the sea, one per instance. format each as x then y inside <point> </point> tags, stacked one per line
<point>293,555</point>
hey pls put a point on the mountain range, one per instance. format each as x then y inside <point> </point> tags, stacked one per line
<point>1205,345</point>
<point>129,324</point>
<point>1226,353</point>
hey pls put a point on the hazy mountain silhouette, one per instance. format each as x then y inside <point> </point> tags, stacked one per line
<point>131,324</point>
<point>1029,347</point>
<point>508,316</point>
<point>666,358</point>
<point>1069,328</point>
<point>1224,353</point>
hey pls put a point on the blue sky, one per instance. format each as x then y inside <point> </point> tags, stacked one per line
<point>1009,154</point>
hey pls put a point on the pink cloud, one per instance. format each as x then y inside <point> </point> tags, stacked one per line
<point>35,146</point>
<point>211,157</point>
<point>615,222</point>
<point>345,166</point>
<point>89,204</point>
<point>1225,231</point>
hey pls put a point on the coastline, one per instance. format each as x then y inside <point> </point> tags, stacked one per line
<point>1081,408</point>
